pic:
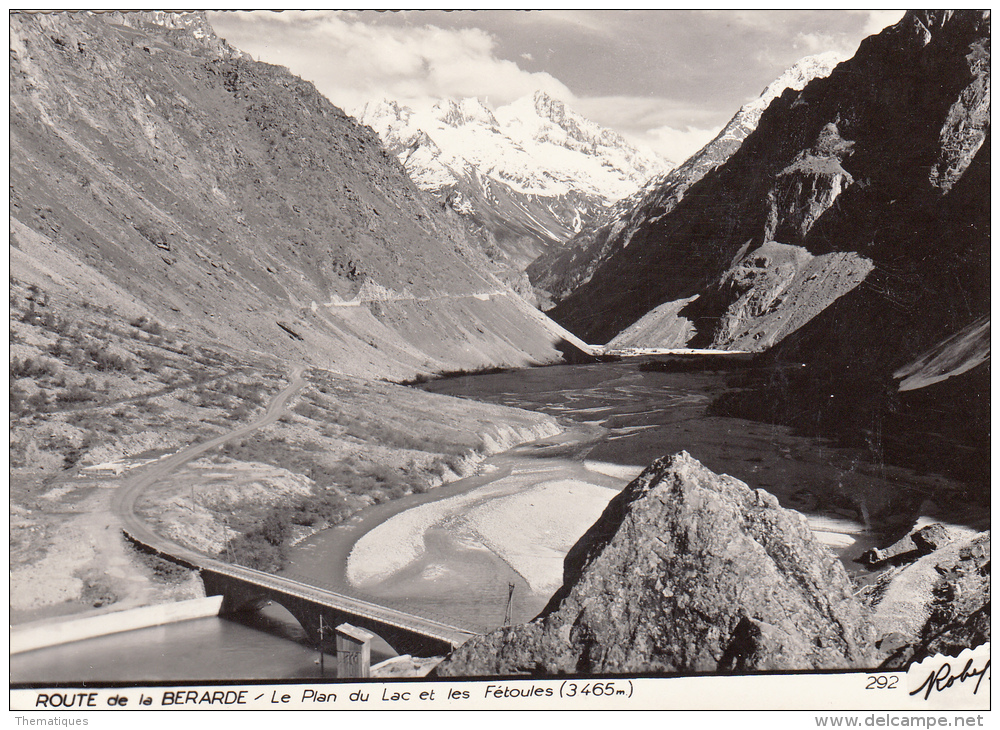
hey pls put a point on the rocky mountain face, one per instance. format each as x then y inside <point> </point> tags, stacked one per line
<point>558,272</point>
<point>526,176</point>
<point>686,571</point>
<point>159,172</point>
<point>871,162</point>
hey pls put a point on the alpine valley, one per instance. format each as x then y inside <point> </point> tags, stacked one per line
<point>492,383</point>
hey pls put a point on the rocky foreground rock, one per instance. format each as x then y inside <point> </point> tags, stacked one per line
<point>687,571</point>
<point>938,604</point>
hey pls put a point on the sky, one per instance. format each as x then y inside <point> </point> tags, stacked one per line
<point>668,79</point>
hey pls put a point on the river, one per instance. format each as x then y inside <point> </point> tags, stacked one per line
<point>267,646</point>
<point>453,553</point>
<point>468,552</point>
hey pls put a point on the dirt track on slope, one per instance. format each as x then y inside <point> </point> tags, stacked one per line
<point>88,568</point>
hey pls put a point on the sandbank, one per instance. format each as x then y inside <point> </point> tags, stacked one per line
<point>533,530</point>
<point>529,526</point>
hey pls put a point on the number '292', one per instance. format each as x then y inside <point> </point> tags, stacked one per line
<point>882,681</point>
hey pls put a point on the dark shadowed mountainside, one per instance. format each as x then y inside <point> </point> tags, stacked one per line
<point>556,273</point>
<point>861,172</point>
<point>849,233</point>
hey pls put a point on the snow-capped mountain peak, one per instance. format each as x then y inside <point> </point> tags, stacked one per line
<point>560,271</point>
<point>456,113</point>
<point>384,109</point>
<point>530,173</point>
<point>551,120</point>
<point>802,72</point>
<point>795,77</point>
<point>536,144</point>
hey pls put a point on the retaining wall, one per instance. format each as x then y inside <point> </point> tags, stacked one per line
<point>40,634</point>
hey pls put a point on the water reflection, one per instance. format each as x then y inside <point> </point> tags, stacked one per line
<point>618,420</point>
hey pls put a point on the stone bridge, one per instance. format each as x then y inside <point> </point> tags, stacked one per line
<point>243,589</point>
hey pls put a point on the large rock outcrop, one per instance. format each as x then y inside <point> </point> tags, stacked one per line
<point>938,604</point>
<point>686,571</point>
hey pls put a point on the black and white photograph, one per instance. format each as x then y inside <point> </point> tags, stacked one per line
<point>554,358</point>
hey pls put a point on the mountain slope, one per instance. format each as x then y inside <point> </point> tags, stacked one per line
<point>559,271</point>
<point>901,364</point>
<point>859,163</point>
<point>157,171</point>
<point>850,233</point>
<point>527,176</point>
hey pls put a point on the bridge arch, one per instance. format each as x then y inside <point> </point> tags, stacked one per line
<point>240,596</point>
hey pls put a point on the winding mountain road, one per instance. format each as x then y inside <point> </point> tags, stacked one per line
<point>124,499</point>
<point>123,506</point>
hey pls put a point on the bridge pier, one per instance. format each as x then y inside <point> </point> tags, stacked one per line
<point>237,596</point>
<point>403,642</point>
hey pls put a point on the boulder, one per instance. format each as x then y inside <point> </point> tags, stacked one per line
<point>686,571</point>
<point>940,604</point>
<point>931,538</point>
<point>909,547</point>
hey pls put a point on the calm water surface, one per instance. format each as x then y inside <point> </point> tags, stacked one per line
<point>616,414</point>
<point>269,646</point>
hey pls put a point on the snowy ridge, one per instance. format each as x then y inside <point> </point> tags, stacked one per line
<point>668,184</point>
<point>795,77</point>
<point>535,146</point>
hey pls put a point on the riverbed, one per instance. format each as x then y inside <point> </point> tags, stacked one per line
<point>488,548</point>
